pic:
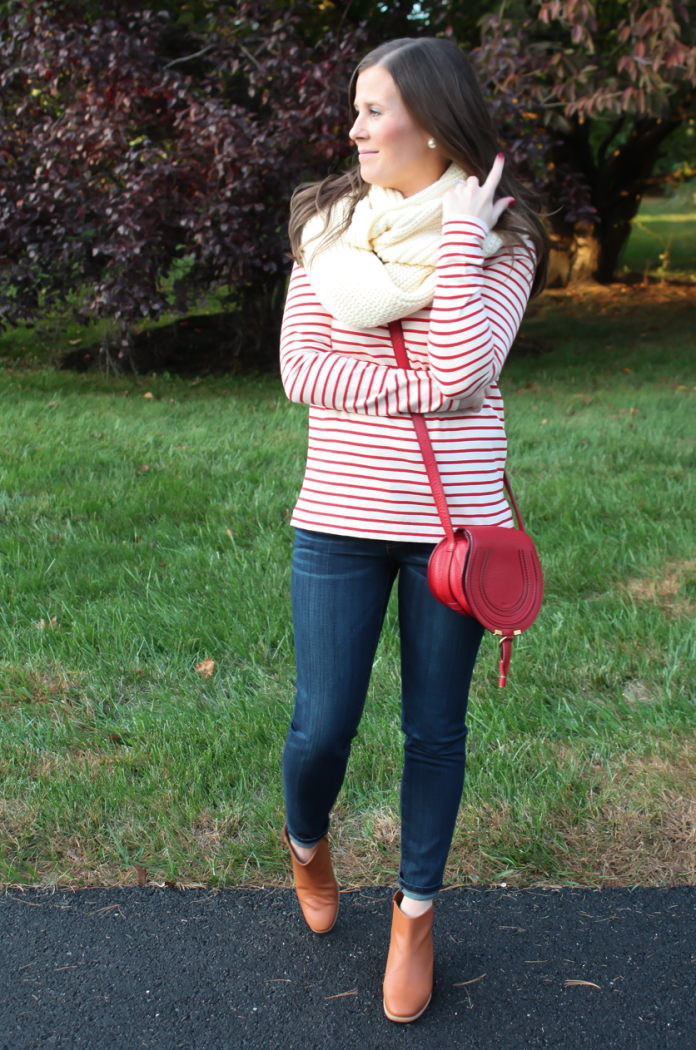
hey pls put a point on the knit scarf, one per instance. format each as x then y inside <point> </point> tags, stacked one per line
<point>383,266</point>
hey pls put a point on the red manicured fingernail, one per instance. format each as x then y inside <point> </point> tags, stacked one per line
<point>512,200</point>
<point>500,156</point>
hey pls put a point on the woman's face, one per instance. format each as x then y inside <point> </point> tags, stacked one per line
<point>393,149</point>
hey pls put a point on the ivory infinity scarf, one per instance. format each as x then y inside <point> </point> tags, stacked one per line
<point>383,266</point>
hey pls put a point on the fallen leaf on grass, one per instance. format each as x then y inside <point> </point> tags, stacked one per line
<point>141,874</point>
<point>206,667</point>
<point>148,396</point>
<point>586,984</point>
<point>74,342</point>
<point>50,625</point>
<point>52,404</point>
<point>144,467</point>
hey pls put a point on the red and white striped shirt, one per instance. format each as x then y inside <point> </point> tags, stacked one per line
<point>365,474</point>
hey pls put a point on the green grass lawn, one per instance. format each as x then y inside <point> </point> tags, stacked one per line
<point>139,536</point>
<point>664,232</point>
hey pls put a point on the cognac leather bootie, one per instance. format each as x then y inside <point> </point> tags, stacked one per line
<point>408,982</point>
<point>316,886</point>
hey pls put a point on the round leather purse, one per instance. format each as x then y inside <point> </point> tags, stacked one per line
<point>490,572</point>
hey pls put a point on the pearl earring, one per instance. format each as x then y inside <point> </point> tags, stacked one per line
<point>432,143</point>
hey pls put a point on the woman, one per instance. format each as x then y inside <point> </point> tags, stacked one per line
<point>408,235</point>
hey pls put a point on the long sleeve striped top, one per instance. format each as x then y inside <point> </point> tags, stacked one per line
<point>365,475</point>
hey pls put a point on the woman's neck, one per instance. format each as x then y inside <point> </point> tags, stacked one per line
<point>421,180</point>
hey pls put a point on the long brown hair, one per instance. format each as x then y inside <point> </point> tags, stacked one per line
<point>439,89</point>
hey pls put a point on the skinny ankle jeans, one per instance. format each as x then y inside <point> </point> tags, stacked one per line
<point>340,590</point>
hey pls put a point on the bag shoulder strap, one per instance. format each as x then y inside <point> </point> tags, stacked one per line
<point>397,337</point>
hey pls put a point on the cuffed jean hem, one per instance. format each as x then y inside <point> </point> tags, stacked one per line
<point>416,895</point>
<point>305,843</point>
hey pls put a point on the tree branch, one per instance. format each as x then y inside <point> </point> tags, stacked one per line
<point>188,58</point>
<point>343,18</point>
<point>249,55</point>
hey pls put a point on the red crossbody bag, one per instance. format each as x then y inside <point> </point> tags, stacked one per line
<point>485,571</point>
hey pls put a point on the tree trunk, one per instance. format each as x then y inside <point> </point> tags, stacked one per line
<point>617,183</point>
<point>584,254</point>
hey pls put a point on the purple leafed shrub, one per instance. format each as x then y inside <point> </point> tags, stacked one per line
<point>126,182</point>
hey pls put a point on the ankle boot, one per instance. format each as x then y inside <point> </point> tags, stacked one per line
<point>408,981</point>
<point>316,886</point>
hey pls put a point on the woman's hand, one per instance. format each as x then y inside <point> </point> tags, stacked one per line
<point>468,198</point>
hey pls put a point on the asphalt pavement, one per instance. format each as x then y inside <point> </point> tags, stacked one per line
<point>568,969</point>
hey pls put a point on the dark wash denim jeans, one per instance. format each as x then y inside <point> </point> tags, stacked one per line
<point>340,591</point>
